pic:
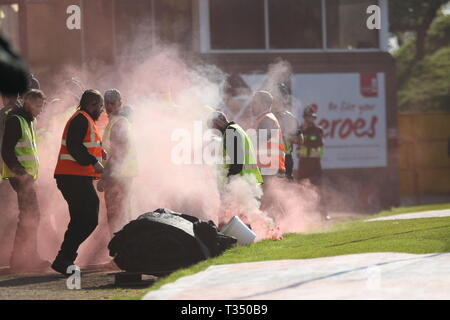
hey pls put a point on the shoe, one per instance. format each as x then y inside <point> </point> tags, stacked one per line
<point>327,218</point>
<point>60,265</point>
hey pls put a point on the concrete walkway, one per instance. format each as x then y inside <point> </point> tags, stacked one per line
<point>358,276</point>
<point>417,215</point>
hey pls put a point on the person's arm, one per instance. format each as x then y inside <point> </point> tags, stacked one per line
<point>236,143</point>
<point>298,138</point>
<point>119,147</point>
<point>321,137</point>
<point>266,125</point>
<point>12,134</point>
<point>295,134</point>
<point>75,136</point>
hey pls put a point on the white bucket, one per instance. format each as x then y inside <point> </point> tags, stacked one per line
<point>236,228</point>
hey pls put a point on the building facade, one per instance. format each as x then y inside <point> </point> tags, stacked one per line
<point>338,63</point>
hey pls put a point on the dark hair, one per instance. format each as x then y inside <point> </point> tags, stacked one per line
<point>89,97</point>
<point>34,94</point>
<point>33,83</point>
<point>235,85</point>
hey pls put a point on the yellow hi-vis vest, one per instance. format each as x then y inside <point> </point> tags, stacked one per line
<point>249,166</point>
<point>129,166</point>
<point>309,152</point>
<point>25,150</point>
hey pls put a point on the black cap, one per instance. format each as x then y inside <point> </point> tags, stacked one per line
<point>310,111</point>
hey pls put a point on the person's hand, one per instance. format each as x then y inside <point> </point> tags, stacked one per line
<point>101,185</point>
<point>25,178</point>
<point>98,167</point>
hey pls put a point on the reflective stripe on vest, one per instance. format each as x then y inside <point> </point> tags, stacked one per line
<point>67,165</point>
<point>25,150</point>
<point>249,167</point>
<point>306,152</point>
<point>86,144</point>
<point>274,148</point>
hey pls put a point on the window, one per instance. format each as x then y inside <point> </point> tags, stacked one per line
<point>346,25</point>
<point>237,24</point>
<point>133,26</point>
<point>174,21</point>
<point>295,24</point>
<point>9,24</point>
<point>289,25</point>
<point>140,23</point>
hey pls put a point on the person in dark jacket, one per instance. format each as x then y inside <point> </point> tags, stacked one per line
<point>19,153</point>
<point>310,153</point>
<point>79,163</point>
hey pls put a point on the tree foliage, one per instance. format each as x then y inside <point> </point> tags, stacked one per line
<point>428,88</point>
<point>413,16</point>
<point>425,85</point>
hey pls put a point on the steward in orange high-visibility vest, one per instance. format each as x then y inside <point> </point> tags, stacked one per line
<point>271,149</point>
<point>274,146</point>
<point>79,164</point>
<point>67,165</point>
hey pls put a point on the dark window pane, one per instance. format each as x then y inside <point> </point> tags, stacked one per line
<point>295,24</point>
<point>174,21</point>
<point>346,25</point>
<point>9,24</point>
<point>237,24</point>
<point>133,25</point>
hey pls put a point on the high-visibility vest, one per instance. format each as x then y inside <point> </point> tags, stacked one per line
<point>274,147</point>
<point>288,147</point>
<point>129,166</point>
<point>306,151</point>
<point>25,150</point>
<point>67,165</point>
<point>249,165</point>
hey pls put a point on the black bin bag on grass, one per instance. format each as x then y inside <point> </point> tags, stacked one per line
<point>162,241</point>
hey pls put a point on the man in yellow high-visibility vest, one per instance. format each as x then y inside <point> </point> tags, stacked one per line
<point>121,165</point>
<point>239,157</point>
<point>21,166</point>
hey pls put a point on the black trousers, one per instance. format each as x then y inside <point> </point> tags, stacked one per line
<point>289,164</point>
<point>83,201</point>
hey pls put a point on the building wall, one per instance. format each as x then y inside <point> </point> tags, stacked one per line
<point>51,48</point>
<point>424,155</point>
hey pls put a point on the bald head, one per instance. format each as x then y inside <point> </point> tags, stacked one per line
<point>261,102</point>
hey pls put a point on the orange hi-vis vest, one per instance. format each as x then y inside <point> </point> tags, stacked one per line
<point>274,147</point>
<point>67,165</point>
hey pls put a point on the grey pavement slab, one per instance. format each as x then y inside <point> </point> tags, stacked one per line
<point>358,276</point>
<point>416,215</point>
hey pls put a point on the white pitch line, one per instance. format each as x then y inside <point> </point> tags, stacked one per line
<point>417,215</point>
